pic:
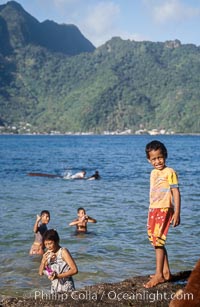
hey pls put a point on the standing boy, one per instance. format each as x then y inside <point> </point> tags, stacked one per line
<point>164,196</point>
<point>39,229</point>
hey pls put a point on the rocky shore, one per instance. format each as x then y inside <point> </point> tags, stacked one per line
<point>129,292</point>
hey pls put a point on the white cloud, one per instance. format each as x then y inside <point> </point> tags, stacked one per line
<point>100,24</point>
<point>62,3</point>
<point>171,10</point>
<point>103,16</point>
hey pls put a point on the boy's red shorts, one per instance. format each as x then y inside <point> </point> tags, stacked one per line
<point>158,223</point>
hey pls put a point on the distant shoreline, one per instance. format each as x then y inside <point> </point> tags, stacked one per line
<point>99,134</point>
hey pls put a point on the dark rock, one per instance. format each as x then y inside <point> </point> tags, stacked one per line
<point>129,292</point>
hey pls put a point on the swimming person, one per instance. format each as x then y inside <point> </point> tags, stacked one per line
<point>95,176</point>
<point>79,175</point>
<point>39,229</point>
<point>82,220</point>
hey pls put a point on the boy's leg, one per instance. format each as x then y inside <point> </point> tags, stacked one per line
<point>159,219</point>
<point>158,278</point>
<point>166,270</point>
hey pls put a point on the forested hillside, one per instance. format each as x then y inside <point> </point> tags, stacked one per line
<point>120,85</point>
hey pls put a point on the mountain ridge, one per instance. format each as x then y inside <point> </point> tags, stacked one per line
<point>24,29</point>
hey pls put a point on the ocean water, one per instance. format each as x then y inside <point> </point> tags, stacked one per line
<point>116,247</point>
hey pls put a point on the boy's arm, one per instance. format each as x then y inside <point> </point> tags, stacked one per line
<point>75,222</point>
<point>91,220</point>
<point>35,227</point>
<point>177,202</point>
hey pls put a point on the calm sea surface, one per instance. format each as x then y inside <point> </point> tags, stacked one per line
<point>116,247</point>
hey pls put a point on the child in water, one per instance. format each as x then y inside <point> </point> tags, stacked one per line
<point>95,176</point>
<point>164,196</point>
<point>82,220</point>
<point>39,229</point>
<point>57,263</point>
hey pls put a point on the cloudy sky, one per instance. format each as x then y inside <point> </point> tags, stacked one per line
<point>100,20</point>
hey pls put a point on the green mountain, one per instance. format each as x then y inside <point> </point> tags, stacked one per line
<point>61,82</point>
<point>18,29</point>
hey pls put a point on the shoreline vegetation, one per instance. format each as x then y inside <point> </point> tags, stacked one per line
<point>26,129</point>
<point>129,292</point>
<point>52,133</point>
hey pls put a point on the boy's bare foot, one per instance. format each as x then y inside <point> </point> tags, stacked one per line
<point>167,276</point>
<point>154,281</point>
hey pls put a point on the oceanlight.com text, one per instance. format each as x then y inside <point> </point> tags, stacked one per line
<point>112,295</point>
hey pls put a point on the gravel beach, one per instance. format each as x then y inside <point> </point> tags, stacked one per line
<point>129,292</point>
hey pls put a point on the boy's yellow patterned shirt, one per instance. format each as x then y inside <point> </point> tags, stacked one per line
<point>161,183</point>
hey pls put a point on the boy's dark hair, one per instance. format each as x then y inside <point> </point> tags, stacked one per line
<point>52,235</point>
<point>79,209</point>
<point>155,145</point>
<point>45,212</point>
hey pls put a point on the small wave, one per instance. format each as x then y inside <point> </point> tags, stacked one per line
<point>67,175</point>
